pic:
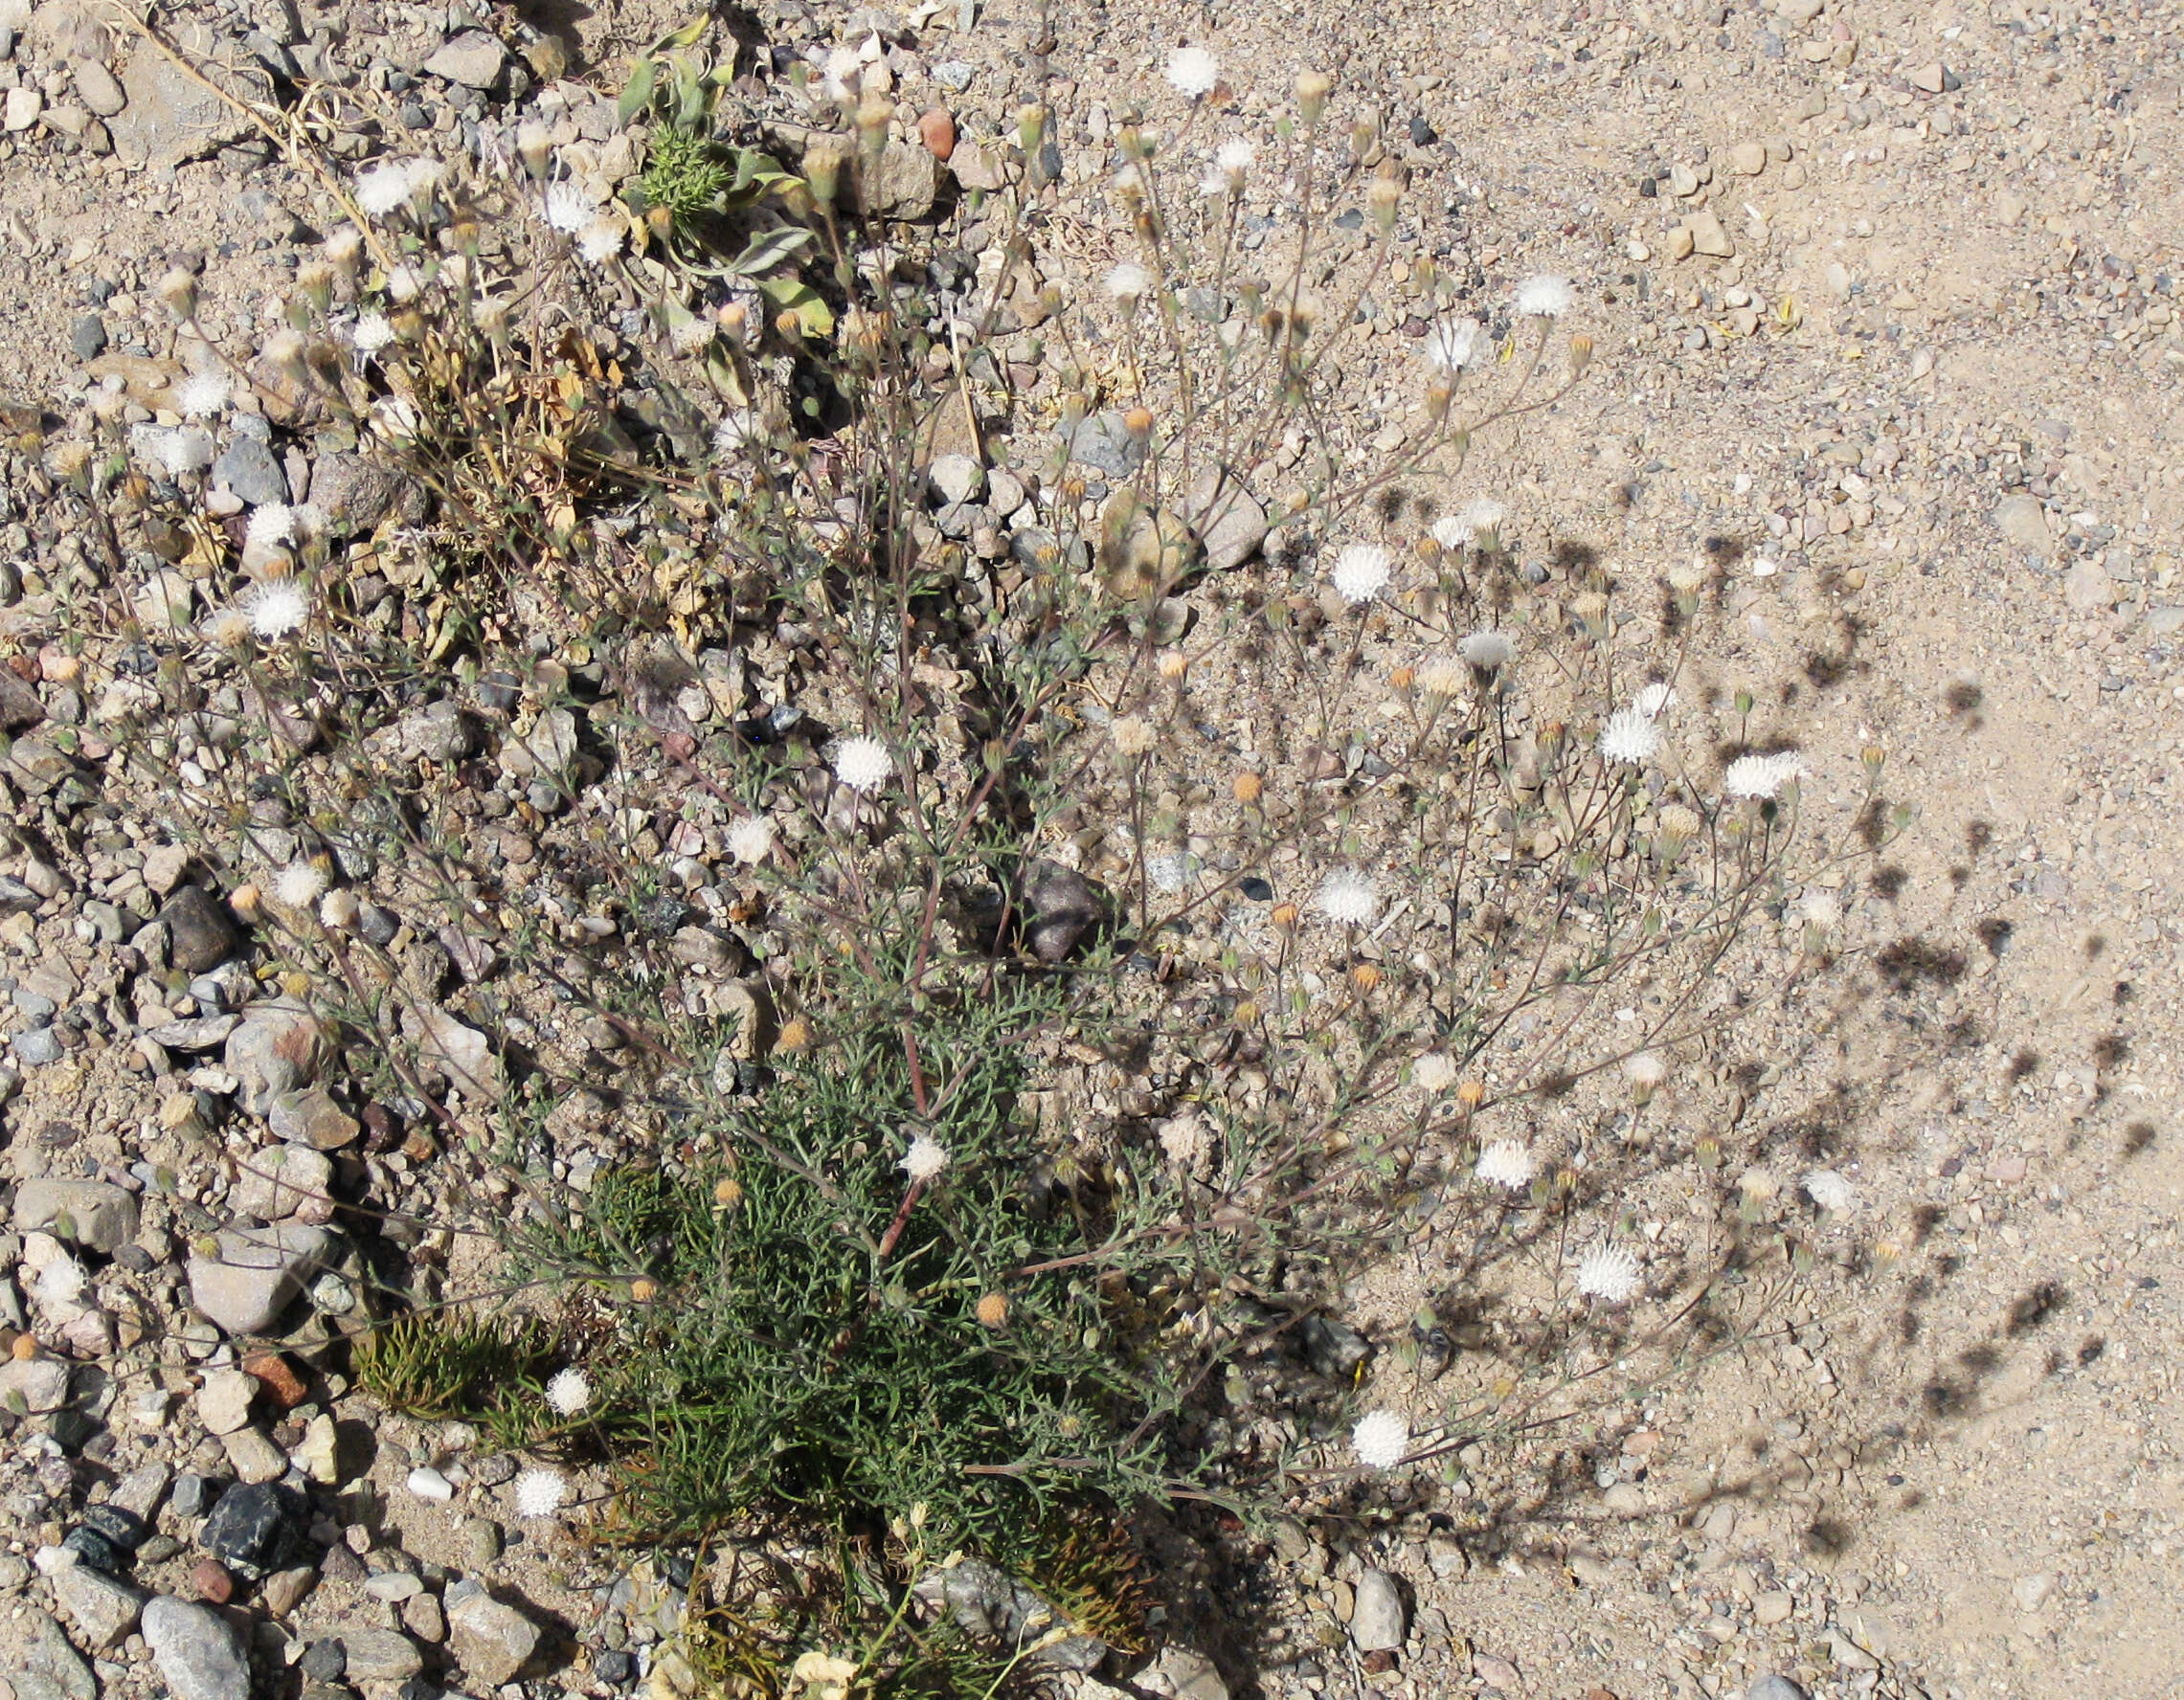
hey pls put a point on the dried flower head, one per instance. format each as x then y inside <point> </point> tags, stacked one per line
<point>1762,776</point>
<point>569,1392</point>
<point>1182,1139</point>
<point>1646,1070</point>
<point>926,1157</point>
<point>1193,72</point>
<point>1129,282</point>
<point>300,886</point>
<point>1830,1192</point>
<point>1348,897</point>
<point>1362,571</point>
<point>1607,1272</point>
<point>541,1492</point>
<point>1381,1439</point>
<point>1133,736</point>
<point>1458,344</point>
<point>1544,296</point>
<point>227,627</point>
<point>1629,737</point>
<point>567,208</point>
<point>372,332</point>
<point>1759,1184</point>
<point>751,839</point>
<point>277,609</point>
<point>384,188</point>
<point>1233,160</point>
<point>863,764</point>
<point>1506,1163</point>
<point>992,1310</point>
<point>1679,820</point>
<point>600,240</point>
<point>1435,1071</point>
<point>202,394</point>
<point>1487,651</point>
<point>1443,677</point>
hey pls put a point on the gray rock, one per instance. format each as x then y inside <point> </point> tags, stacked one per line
<point>1103,443</point>
<point>247,466</point>
<point>201,1657</point>
<point>280,1047</point>
<point>223,1402</point>
<point>355,494</point>
<point>2088,588</point>
<point>544,751</point>
<point>49,1656</point>
<point>1771,1686</point>
<point>199,1033</point>
<point>1230,521</point>
<point>1061,905</point>
<point>87,336</point>
<point>255,1274</point>
<point>38,1047</point>
<point>90,1212</point>
<point>2023,521</point>
<point>473,58</point>
<point>167,117</point>
<point>989,1602</point>
<point>140,1491</point>
<point>1376,1625</point>
<point>956,478</point>
<point>20,705</point>
<point>461,1053</point>
<point>441,732</point>
<point>490,1640</point>
<point>199,935</point>
<point>95,86</point>
<point>902,186</point>
<point>1708,235</point>
<point>282,1180</point>
<point>311,1117</point>
<point>1186,1675</point>
<point>380,1655</point>
<point>104,1609</point>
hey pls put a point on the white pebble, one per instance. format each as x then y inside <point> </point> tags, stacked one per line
<point>1765,567</point>
<point>430,1484</point>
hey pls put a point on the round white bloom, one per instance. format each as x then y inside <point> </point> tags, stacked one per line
<point>1506,1163</point>
<point>541,1492</point>
<point>600,240</point>
<point>569,1392</point>
<point>338,910</point>
<point>1647,1069</point>
<point>1182,1139</point>
<point>1608,1273</point>
<point>277,608</point>
<point>1192,72</point>
<point>421,174</point>
<point>1457,344</point>
<point>372,332</point>
<point>1482,516</point>
<point>1820,906</point>
<point>202,394</point>
<point>1830,1192</point>
<point>1544,296</point>
<point>1234,158</point>
<point>383,188</point>
<point>1362,571</point>
<point>863,764</point>
<point>1134,736</point>
<point>1761,776</point>
<point>926,1157</point>
<point>1758,1184</point>
<point>182,451</point>
<point>1443,676</point>
<point>1349,897</point>
<point>1651,700</point>
<point>567,208</point>
<point>271,524</point>
<point>1487,650</point>
<point>1435,1071</point>
<point>301,885</point>
<point>1129,282</point>
<point>1630,737</point>
<point>1381,1439</point>
<point>751,839</point>
<point>404,283</point>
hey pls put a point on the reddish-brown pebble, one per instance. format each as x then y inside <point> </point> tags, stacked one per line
<point>211,1578</point>
<point>938,131</point>
<point>278,1377</point>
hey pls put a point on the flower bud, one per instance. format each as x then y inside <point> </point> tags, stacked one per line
<point>178,289</point>
<point>1312,90</point>
<point>823,173</point>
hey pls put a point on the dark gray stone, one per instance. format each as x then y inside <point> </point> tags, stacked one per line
<point>198,933</point>
<point>1060,906</point>
<point>357,494</point>
<point>87,336</point>
<point>247,466</point>
<point>1104,442</point>
<point>254,1529</point>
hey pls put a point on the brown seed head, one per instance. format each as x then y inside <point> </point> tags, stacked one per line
<point>1246,787</point>
<point>992,1310</point>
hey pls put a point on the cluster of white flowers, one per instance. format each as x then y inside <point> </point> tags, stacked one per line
<point>1458,344</point>
<point>1348,897</point>
<point>925,1159</point>
<point>372,332</point>
<point>1129,282</point>
<point>277,608</point>
<point>863,764</point>
<point>751,839</point>
<point>1544,296</point>
<point>301,885</point>
<point>1362,571</point>
<point>1435,1071</point>
<point>1193,72</point>
<point>569,1392</point>
<point>1762,776</point>
<point>1607,1272</point>
<point>387,189</point>
<point>567,208</point>
<point>1381,1439</point>
<point>1487,650</point>
<point>1506,1163</point>
<point>1632,736</point>
<point>202,394</point>
<point>541,1492</point>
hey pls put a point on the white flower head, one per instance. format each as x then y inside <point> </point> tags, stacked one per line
<point>421,174</point>
<point>567,208</point>
<point>202,394</point>
<point>1129,282</point>
<point>863,764</point>
<point>1233,160</point>
<point>1630,737</point>
<point>1482,516</point>
<point>372,332</point>
<point>1544,296</point>
<point>183,450</point>
<point>600,240</point>
<point>1646,1069</point>
<point>1435,1071</point>
<point>1608,1273</point>
<point>1506,1163</point>
<point>1830,1192</point>
<point>271,524</point>
<point>1653,700</point>
<point>383,190</point>
<point>569,1392</point>
<point>1133,736</point>
<point>1458,344</point>
<point>1443,676</point>
<point>1362,571</point>
<point>1381,1439</point>
<point>541,1492</point>
<point>301,885</point>
<point>1820,908</point>
<point>1182,1139</point>
<point>926,1157</point>
<point>278,607</point>
<point>1349,897</point>
<point>1487,650</point>
<point>1192,72</point>
<point>1762,776</point>
<point>751,839</point>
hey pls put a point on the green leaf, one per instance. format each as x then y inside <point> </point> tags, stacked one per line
<point>814,317</point>
<point>684,36</point>
<point>768,249</point>
<point>637,93</point>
